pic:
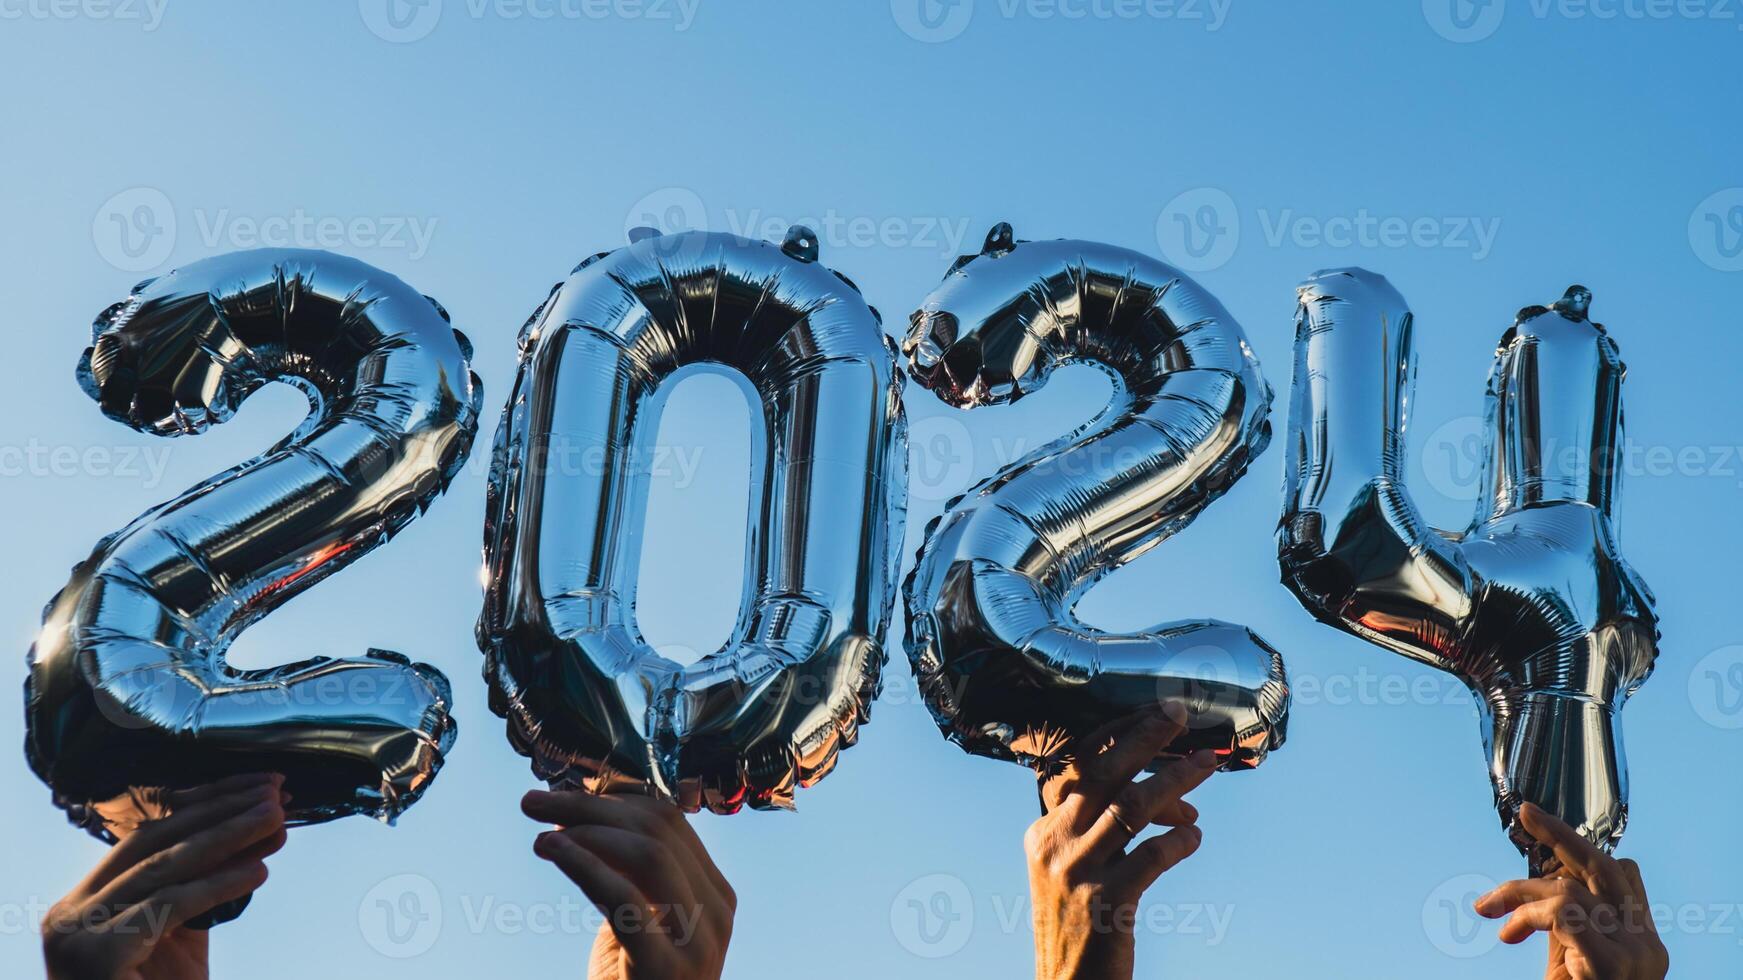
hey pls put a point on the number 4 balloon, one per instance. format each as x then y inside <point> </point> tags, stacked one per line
<point>1532,605</point>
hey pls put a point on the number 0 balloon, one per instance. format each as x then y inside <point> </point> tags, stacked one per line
<point>1532,605</point>
<point>1007,669</point>
<point>585,696</point>
<point>128,689</point>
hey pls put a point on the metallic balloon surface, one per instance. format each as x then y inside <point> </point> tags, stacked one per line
<point>586,697</point>
<point>1532,605</point>
<point>1005,666</point>
<point>128,691</point>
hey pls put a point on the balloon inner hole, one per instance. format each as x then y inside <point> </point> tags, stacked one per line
<point>693,562</point>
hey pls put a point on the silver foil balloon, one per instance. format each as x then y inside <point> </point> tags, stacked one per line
<point>1532,605</point>
<point>586,697</point>
<point>1006,668</point>
<point>128,691</point>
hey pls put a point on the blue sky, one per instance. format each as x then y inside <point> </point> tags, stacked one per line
<point>1481,156</point>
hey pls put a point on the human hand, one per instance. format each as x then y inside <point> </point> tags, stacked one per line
<point>1083,884</point>
<point>1594,909</point>
<point>203,847</point>
<point>668,909</point>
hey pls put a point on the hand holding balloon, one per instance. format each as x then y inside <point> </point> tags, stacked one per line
<point>1595,909</point>
<point>668,910</point>
<point>1083,882</point>
<point>128,919</point>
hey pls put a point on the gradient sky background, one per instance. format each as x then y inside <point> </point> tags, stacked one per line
<point>1530,144</point>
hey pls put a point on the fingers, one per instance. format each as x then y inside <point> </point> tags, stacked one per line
<point>179,903</point>
<point>607,888</point>
<point>1156,800</point>
<point>1510,895</point>
<point>190,812</point>
<point>1133,750</point>
<point>1578,855</point>
<point>1636,884</point>
<point>197,854</point>
<point>652,866</point>
<point>643,815</point>
<point>1147,862</point>
<point>1057,785</point>
<point>1537,916</point>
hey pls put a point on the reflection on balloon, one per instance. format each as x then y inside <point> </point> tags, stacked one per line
<point>128,691</point>
<point>1005,666</point>
<point>585,696</point>
<point>1532,605</point>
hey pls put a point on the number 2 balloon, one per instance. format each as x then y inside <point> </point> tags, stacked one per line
<point>128,684</point>
<point>1006,668</point>
<point>1532,605</point>
<point>586,697</point>
<point>128,691</point>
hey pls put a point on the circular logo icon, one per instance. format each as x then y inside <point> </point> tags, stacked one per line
<point>669,210</point>
<point>1449,921</point>
<point>135,230</point>
<point>1199,230</point>
<point>400,21</point>
<point>1464,21</point>
<point>932,21</point>
<point>1452,458</point>
<point>1716,688</point>
<point>1716,230</point>
<point>933,916</point>
<point>144,698</point>
<point>1205,676</point>
<point>401,917</point>
<point>941,458</point>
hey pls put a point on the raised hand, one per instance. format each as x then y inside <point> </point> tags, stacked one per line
<point>1595,909</point>
<point>125,920</point>
<point>1083,882</point>
<point>668,910</point>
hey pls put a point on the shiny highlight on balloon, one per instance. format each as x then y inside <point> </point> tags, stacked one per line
<point>1005,666</point>
<point>129,692</point>
<point>586,697</point>
<point>1531,605</point>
